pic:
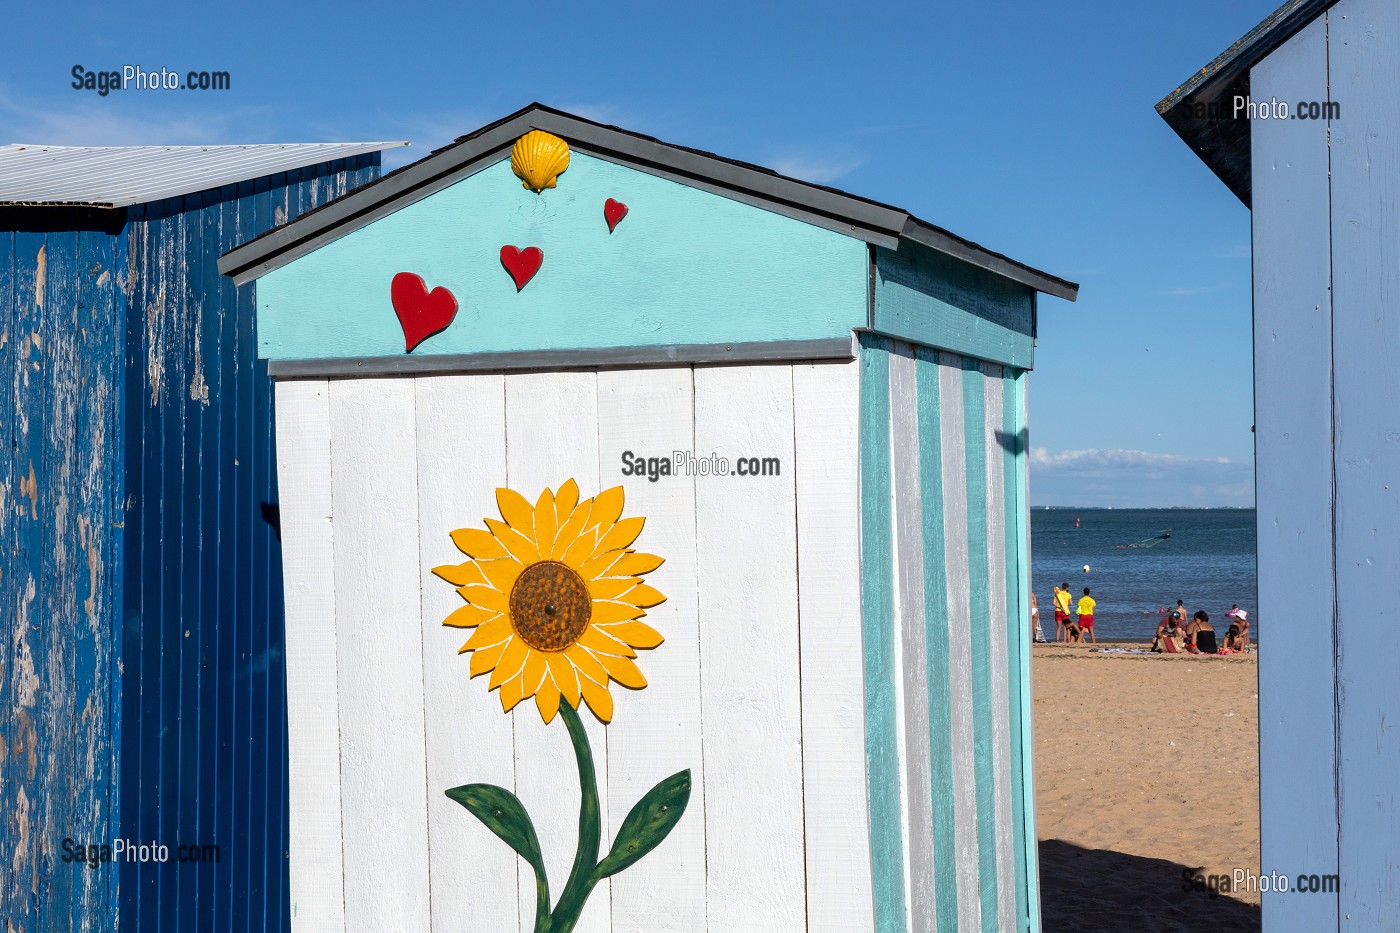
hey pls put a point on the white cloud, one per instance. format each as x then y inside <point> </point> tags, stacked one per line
<point>99,121</point>
<point>820,168</point>
<point>1125,478</point>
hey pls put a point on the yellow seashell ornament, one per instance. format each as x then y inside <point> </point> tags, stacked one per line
<point>538,159</point>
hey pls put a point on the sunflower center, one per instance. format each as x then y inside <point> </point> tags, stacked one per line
<point>549,606</point>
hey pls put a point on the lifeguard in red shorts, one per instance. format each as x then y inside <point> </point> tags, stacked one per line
<point>1086,614</point>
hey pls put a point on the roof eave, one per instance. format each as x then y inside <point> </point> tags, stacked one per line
<point>1199,110</point>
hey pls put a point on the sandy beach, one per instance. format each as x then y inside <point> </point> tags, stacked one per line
<point>1146,765</point>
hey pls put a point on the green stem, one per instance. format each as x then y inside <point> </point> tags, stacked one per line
<point>542,917</point>
<point>590,830</point>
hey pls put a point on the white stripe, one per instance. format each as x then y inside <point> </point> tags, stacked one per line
<point>1000,630</point>
<point>909,613</point>
<point>959,641</point>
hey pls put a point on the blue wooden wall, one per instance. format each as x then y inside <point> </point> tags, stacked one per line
<point>141,676</point>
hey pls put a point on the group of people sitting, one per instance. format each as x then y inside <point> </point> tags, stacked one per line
<point>1197,636</point>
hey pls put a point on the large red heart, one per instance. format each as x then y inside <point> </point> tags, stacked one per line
<point>613,212</point>
<point>522,264</point>
<point>421,313</point>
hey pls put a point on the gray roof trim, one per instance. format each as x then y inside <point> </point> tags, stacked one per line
<point>697,354</point>
<point>830,208</point>
<point>113,177</point>
<point>944,242</point>
<point>1217,138</point>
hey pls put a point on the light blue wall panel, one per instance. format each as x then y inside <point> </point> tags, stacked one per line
<point>684,266</point>
<point>928,298</point>
<point>1293,354</point>
<point>1364,77</point>
<point>1012,454</point>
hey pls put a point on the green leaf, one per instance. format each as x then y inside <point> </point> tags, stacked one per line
<point>504,815</point>
<point>650,821</point>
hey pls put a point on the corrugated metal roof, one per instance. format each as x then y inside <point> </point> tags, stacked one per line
<point>116,176</point>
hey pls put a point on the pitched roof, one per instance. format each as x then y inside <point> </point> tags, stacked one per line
<point>1199,110</point>
<point>118,176</point>
<point>872,221</point>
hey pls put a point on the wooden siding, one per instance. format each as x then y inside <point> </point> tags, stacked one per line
<point>140,669</point>
<point>757,688</point>
<point>684,267</point>
<point>945,577</point>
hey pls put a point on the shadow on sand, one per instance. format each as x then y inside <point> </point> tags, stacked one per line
<point>1093,890</point>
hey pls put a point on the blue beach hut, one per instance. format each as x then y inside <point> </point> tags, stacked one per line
<point>141,694</point>
<point>809,404</point>
<point>1299,119</point>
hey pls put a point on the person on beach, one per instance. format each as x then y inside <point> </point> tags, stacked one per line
<point>1200,635</point>
<point>1179,614</point>
<point>1037,635</point>
<point>1061,598</point>
<point>1239,627</point>
<point>1085,611</point>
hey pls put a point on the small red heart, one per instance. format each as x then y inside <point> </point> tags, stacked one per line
<point>613,212</point>
<point>421,313</point>
<point>522,264</point>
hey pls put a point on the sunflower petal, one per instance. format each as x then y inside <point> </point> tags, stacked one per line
<point>606,508</point>
<point>643,596</point>
<point>569,533</point>
<point>599,700</point>
<point>470,616</point>
<point>624,671</point>
<point>606,611</point>
<point>601,565</point>
<point>565,677</point>
<point>502,573</point>
<point>516,510</point>
<point>486,659</point>
<point>460,574</point>
<point>621,535</point>
<point>478,543</point>
<point>580,548</point>
<point>565,501</point>
<point>636,634</point>
<point>487,597</point>
<point>517,545</point>
<point>634,565</point>
<point>512,692</point>
<point>546,523</point>
<point>585,663</point>
<point>600,642</point>
<point>509,667</point>
<point>533,672</point>
<point>547,699</point>
<point>611,587</point>
<point>489,633</point>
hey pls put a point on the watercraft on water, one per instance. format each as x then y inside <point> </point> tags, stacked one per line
<point>1148,542</point>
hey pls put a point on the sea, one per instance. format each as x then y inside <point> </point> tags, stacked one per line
<point>1208,562</point>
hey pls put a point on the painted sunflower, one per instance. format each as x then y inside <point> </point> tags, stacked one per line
<point>555,593</point>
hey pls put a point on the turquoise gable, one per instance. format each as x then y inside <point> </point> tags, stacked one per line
<point>683,267</point>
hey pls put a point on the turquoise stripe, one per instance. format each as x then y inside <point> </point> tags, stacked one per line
<point>935,616</point>
<point>1025,787</point>
<point>877,615</point>
<point>980,631</point>
<point>1018,616</point>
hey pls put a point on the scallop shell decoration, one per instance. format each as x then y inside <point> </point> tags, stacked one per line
<point>538,159</point>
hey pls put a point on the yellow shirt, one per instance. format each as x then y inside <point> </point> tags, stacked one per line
<point>1086,605</point>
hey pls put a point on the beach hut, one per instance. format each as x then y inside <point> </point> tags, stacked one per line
<point>1298,118</point>
<point>141,694</point>
<point>714,480</point>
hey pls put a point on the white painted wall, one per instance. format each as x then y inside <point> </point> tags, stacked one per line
<point>757,688</point>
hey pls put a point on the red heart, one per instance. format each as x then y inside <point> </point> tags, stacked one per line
<point>522,264</point>
<point>613,212</point>
<point>421,313</point>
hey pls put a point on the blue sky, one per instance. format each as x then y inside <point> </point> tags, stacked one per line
<point>1028,127</point>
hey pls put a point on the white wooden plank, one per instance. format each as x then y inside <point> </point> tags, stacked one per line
<point>461,433</point>
<point>912,650</point>
<point>1293,487</point>
<point>752,703</point>
<point>315,868</point>
<point>656,731</point>
<point>826,418</point>
<point>992,433</point>
<point>552,436</point>
<point>954,447</point>
<point>380,645</point>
